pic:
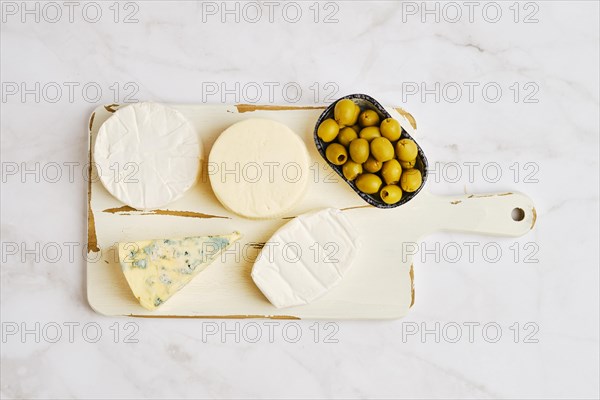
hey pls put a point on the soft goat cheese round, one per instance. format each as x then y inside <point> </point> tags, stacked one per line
<point>147,155</point>
<point>258,168</point>
<point>305,258</point>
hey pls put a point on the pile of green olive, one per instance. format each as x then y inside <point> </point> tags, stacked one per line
<point>370,151</point>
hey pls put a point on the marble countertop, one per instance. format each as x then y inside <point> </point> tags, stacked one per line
<point>506,98</point>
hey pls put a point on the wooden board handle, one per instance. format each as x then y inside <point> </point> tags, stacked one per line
<point>502,214</point>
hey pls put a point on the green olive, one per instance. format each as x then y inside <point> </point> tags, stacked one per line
<point>345,112</point>
<point>382,149</point>
<point>346,135</point>
<point>359,150</point>
<point>411,180</point>
<point>368,118</point>
<point>408,164</point>
<point>336,154</point>
<point>356,128</point>
<point>372,165</point>
<point>356,114</point>
<point>368,183</point>
<point>351,170</point>
<point>328,130</point>
<point>406,150</point>
<point>391,129</point>
<point>391,194</point>
<point>370,133</point>
<point>391,171</point>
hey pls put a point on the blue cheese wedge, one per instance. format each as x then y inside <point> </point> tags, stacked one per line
<point>157,269</point>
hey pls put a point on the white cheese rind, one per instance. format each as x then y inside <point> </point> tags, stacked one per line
<point>305,258</point>
<point>147,155</point>
<point>259,168</point>
<point>157,269</point>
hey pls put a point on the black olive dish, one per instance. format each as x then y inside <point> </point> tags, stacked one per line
<point>366,102</point>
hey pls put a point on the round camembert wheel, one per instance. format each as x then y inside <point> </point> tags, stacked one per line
<point>147,155</point>
<point>259,168</point>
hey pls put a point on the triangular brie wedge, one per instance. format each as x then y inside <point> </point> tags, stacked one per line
<point>157,269</point>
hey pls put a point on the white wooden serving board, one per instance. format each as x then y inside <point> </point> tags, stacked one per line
<point>379,285</point>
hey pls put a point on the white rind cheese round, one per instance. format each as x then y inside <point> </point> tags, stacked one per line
<point>258,168</point>
<point>147,155</point>
<point>305,258</point>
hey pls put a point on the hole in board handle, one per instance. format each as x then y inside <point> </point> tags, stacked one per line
<point>517,214</point>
